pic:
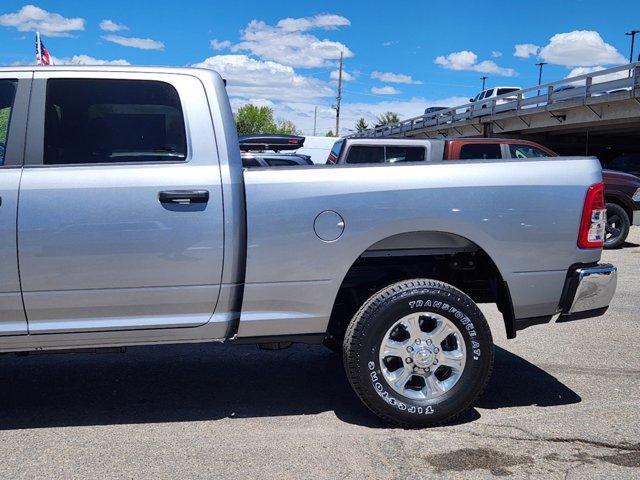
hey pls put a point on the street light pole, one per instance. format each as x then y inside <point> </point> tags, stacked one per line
<point>483,80</point>
<point>632,34</point>
<point>540,65</point>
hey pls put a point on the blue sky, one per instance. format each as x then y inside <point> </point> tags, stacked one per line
<point>401,56</point>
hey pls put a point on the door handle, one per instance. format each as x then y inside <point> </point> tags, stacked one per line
<point>184,197</point>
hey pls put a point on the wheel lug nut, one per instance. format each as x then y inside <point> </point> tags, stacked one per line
<point>429,342</point>
<point>409,360</point>
<point>409,349</point>
<point>417,340</point>
<point>435,361</point>
<point>436,350</point>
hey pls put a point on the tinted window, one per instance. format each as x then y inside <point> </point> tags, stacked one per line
<point>480,150</point>
<point>250,162</point>
<point>405,154</point>
<point>525,151</point>
<point>112,121</point>
<point>365,154</point>
<point>335,152</point>
<point>280,162</point>
<point>489,93</point>
<point>7,95</point>
<point>502,91</point>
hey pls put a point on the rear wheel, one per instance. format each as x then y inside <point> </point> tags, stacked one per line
<point>418,353</point>
<point>618,225</point>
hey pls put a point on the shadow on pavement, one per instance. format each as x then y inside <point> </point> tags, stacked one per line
<point>208,382</point>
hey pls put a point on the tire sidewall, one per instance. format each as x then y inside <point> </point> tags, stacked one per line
<point>479,351</point>
<point>626,224</point>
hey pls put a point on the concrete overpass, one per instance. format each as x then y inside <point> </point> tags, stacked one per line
<point>594,114</point>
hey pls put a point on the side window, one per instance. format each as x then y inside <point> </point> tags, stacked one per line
<point>112,121</point>
<point>250,162</point>
<point>525,151</point>
<point>335,152</point>
<point>7,96</point>
<point>480,150</point>
<point>365,154</point>
<point>280,162</point>
<point>489,93</point>
<point>503,91</point>
<point>405,154</point>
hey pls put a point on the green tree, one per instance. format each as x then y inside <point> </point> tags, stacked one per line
<point>362,125</point>
<point>287,127</point>
<point>387,118</point>
<point>253,119</point>
<point>330,134</point>
<point>4,124</point>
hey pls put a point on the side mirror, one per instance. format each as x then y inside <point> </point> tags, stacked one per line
<point>471,100</point>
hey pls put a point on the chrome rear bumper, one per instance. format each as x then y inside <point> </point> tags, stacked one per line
<point>589,292</point>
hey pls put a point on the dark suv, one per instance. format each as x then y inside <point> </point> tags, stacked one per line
<point>263,150</point>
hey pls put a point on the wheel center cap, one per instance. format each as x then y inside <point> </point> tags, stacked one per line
<point>423,357</point>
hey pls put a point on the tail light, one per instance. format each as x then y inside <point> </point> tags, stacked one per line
<point>594,218</point>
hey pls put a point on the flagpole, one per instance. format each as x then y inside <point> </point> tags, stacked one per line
<point>38,50</point>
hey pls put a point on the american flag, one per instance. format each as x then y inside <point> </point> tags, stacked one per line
<point>42,54</point>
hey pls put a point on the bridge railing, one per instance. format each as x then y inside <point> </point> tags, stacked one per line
<point>590,85</point>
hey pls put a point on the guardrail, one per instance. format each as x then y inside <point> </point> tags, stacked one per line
<point>590,85</point>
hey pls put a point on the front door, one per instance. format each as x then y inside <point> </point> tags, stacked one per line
<point>120,219</point>
<point>14,99</point>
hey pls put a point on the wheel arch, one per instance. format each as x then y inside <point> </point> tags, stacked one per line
<point>437,255</point>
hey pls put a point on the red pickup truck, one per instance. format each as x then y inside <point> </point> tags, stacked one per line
<point>622,190</point>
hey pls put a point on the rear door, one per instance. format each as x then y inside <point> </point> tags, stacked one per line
<point>14,102</point>
<point>120,220</point>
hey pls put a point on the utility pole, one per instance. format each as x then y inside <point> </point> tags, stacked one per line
<point>632,34</point>
<point>540,65</point>
<point>339,96</point>
<point>484,79</point>
<point>315,117</point>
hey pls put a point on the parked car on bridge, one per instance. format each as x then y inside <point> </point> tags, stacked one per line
<point>622,191</point>
<point>484,96</point>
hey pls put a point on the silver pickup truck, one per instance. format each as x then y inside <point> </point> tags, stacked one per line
<point>126,218</point>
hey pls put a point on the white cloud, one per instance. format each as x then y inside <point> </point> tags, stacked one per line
<point>386,90</point>
<point>346,76</point>
<point>577,71</point>
<point>286,43</point>
<point>31,18</point>
<point>389,43</point>
<point>87,60</point>
<point>250,78</point>
<point>220,44</point>
<point>525,50</point>
<point>580,48</point>
<point>111,26</point>
<point>496,54</point>
<point>134,42</point>
<point>467,60</point>
<point>325,21</point>
<point>394,78</point>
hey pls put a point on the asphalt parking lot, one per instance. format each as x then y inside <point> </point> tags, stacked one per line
<point>563,402</point>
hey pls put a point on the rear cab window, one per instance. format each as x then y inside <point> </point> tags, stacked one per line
<point>484,151</point>
<point>396,154</point>
<point>95,121</point>
<point>7,97</point>
<point>365,154</point>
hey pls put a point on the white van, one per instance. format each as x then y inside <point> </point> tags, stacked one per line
<point>318,148</point>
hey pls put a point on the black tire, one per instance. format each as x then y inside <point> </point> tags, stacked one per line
<point>378,314</point>
<point>618,225</point>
